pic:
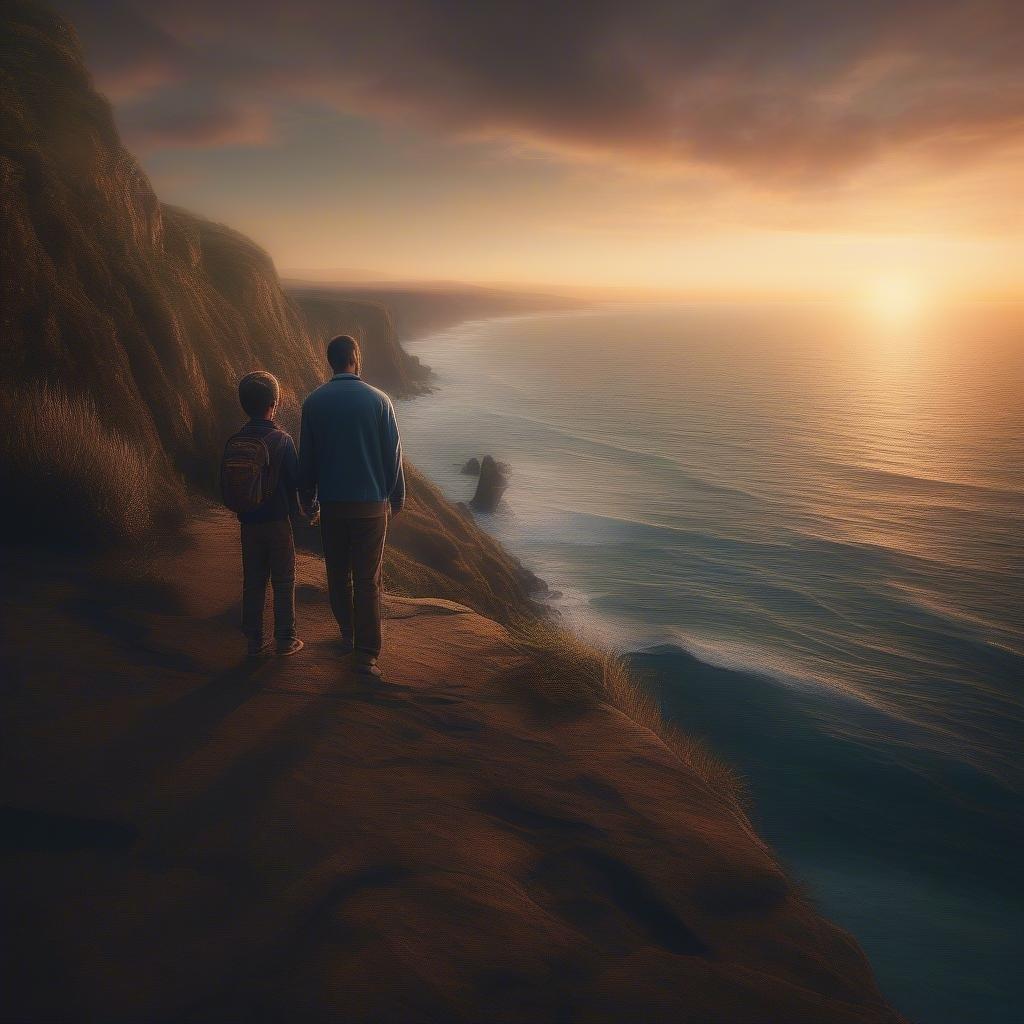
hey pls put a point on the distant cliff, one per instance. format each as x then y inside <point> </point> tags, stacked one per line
<point>152,314</point>
<point>385,362</point>
<point>415,311</point>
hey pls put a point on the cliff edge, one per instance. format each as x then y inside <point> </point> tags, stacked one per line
<point>190,836</point>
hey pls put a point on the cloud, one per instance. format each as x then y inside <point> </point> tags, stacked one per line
<point>127,51</point>
<point>187,117</point>
<point>777,92</point>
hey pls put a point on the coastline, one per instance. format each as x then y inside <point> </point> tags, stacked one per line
<point>889,824</point>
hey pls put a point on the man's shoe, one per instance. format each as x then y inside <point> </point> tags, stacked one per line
<point>257,649</point>
<point>345,645</point>
<point>366,665</point>
<point>289,647</point>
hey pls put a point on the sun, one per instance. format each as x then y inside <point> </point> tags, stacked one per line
<point>895,301</point>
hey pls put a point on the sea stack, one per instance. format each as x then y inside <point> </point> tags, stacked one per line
<point>471,468</point>
<point>491,485</point>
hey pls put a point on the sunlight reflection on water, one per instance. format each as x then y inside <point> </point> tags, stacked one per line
<point>782,480</point>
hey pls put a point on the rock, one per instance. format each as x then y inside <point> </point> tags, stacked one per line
<point>471,468</point>
<point>491,485</point>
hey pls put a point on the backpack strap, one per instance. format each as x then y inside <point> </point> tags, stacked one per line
<point>275,440</point>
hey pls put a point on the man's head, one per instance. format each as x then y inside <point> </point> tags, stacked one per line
<point>343,354</point>
<point>259,394</point>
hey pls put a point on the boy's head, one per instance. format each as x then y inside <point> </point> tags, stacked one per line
<point>343,354</point>
<point>259,394</point>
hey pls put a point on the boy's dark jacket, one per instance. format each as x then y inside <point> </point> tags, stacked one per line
<point>284,500</point>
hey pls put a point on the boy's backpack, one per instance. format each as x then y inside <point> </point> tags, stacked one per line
<point>250,469</point>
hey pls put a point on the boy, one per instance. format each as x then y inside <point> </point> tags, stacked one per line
<point>268,546</point>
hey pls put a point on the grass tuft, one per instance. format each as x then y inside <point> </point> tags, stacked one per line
<point>565,672</point>
<point>67,479</point>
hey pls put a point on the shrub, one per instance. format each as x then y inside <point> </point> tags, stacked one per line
<point>66,478</point>
<point>563,671</point>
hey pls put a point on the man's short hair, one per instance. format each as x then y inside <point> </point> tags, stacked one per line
<point>343,352</point>
<point>258,392</point>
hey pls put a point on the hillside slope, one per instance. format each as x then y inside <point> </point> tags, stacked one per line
<point>189,836</point>
<point>153,314</point>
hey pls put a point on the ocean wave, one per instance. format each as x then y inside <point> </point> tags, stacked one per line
<point>840,711</point>
<point>620,448</point>
<point>875,474</point>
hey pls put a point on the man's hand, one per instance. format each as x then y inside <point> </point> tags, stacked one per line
<point>314,518</point>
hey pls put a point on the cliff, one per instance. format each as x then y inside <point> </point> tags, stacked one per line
<point>416,311</point>
<point>152,314</point>
<point>371,322</point>
<point>188,836</point>
<point>500,831</point>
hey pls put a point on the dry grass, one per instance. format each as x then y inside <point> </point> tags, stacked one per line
<point>66,478</point>
<point>566,672</point>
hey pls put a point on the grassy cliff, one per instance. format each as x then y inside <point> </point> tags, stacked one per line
<point>138,319</point>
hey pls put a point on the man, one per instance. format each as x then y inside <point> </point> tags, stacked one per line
<point>350,458</point>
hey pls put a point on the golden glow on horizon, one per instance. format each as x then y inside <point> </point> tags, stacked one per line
<point>632,235</point>
<point>895,301</point>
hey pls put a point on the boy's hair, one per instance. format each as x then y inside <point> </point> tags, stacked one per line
<point>342,352</point>
<point>258,392</point>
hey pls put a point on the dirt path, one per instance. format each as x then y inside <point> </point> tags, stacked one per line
<point>188,836</point>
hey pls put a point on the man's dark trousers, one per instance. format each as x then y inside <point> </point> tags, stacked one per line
<point>353,535</point>
<point>268,553</point>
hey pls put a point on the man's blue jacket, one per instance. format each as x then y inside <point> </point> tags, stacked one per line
<point>349,447</point>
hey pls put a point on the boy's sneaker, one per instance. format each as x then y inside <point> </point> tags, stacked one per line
<point>366,665</point>
<point>289,647</point>
<point>257,649</point>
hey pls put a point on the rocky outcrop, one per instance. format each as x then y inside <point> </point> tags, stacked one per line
<point>490,487</point>
<point>434,547</point>
<point>471,467</point>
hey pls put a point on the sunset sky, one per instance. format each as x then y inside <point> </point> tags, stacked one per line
<point>725,147</point>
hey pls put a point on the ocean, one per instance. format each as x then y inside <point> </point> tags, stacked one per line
<point>804,528</point>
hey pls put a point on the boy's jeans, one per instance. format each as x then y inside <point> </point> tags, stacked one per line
<point>268,552</point>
